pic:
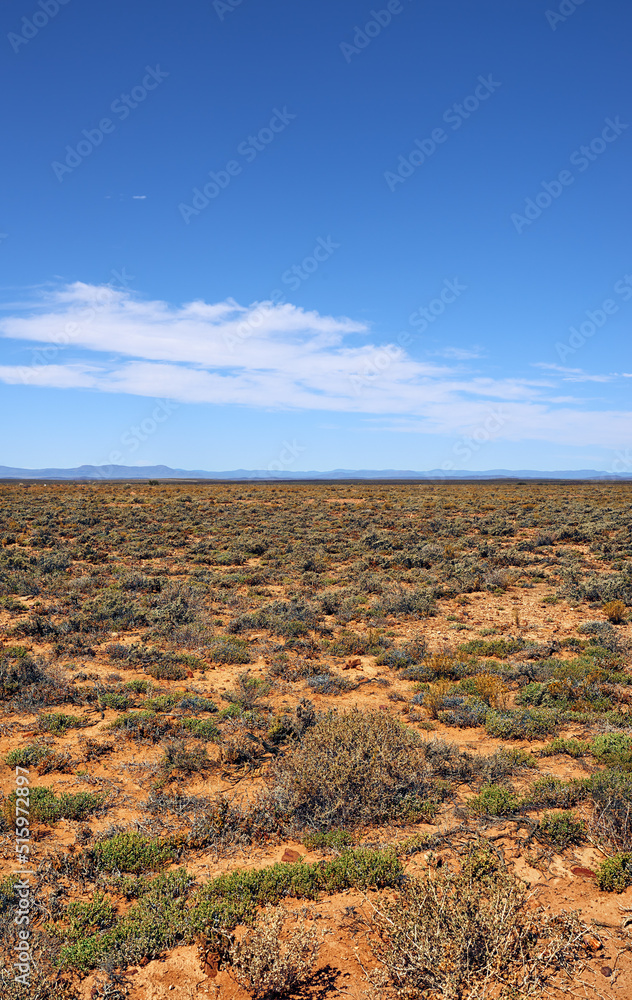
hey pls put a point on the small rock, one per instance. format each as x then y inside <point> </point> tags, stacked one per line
<point>583,872</point>
<point>290,856</point>
<point>354,662</point>
<point>592,943</point>
<point>606,970</point>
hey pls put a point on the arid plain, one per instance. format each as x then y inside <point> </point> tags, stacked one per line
<point>317,739</point>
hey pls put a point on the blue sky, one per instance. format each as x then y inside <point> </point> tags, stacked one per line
<point>317,235</point>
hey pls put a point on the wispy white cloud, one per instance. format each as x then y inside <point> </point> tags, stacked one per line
<point>281,356</point>
<point>578,374</point>
<point>459,353</point>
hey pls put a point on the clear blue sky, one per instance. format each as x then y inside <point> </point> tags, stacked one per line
<point>436,153</point>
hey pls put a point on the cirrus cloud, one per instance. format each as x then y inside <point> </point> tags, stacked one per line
<point>269,355</point>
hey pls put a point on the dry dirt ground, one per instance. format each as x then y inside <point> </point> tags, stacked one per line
<point>147,598</point>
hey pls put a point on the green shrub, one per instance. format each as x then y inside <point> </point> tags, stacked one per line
<point>571,747</point>
<point>202,729</point>
<point>26,756</point>
<point>137,685</point>
<point>334,840</point>
<point>114,699</point>
<point>561,829</point>
<point>615,874</point>
<point>613,749</point>
<point>521,724</point>
<point>500,648</point>
<point>132,852</point>
<point>58,723</point>
<point>167,914</point>
<point>88,917</point>
<point>229,651</point>
<point>47,807</point>
<point>549,791</point>
<point>166,672</point>
<point>494,800</point>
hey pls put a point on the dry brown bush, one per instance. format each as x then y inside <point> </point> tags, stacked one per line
<point>269,963</point>
<point>456,937</point>
<point>350,768</point>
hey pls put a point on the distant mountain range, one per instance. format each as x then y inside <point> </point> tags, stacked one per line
<point>107,472</point>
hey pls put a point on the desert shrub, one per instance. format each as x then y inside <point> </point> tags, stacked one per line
<point>47,807</point>
<point>177,605</point>
<point>396,659</point>
<point>493,647</point>
<point>58,723</point>
<point>570,746</point>
<point>464,713</point>
<point>26,756</point>
<point>178,757</point>
<point>166,671</point>
<point>549,792</point>
<point>144,726</point>
<point>132,852</point>
<point>197,703</point>
<point>602,632</point>
<point>330,683</point>
<point>613,749</point>
<point>333,840</point>
<point>615,873</point>
<point>248,692</point>
<point>457,936</point>
<point>166,913</point>
<point>351,768</point>
<point>283,618</point>
<point>494,800</point>
<point>611,819</point>
<point>90,916</point>
<point>433,699</point>
<point>137,685</point>
<point>201,729</point>
<point>399,601</point>
<point>491,689</point>
<point>561,829</point>
<point>504,762</point>
<point>114,699</point>
<point>615,612</point>
<point>521,724</point>
<point>269,963</point>
<point>18,669</point>
<point>229,650</point>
